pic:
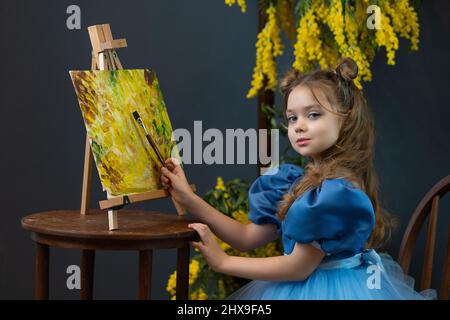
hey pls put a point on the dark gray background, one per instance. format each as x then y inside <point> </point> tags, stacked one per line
<point>203,53</point>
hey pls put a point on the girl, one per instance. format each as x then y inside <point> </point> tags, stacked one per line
<point>326,214</point>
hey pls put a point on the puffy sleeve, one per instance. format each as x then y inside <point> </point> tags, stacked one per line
<point>335,215</point>
<point>267,191</point>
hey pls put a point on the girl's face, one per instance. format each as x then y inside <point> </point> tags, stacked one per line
<point>308,120</point>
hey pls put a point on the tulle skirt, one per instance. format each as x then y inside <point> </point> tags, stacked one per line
<point>345,282</point>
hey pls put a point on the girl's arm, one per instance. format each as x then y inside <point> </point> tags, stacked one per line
<point>297,266</point>
<point>294,267</point>
<point>239,236</point>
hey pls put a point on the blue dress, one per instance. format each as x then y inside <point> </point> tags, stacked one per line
<point>338,218</point>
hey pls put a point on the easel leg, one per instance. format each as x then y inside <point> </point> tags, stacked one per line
<point>87,274</point>
<point>180,209</point>
<point>86,178</point>
<point>183,273</point>
<point>112,220</point>
<point>145,274</point>
<point>41,271</point>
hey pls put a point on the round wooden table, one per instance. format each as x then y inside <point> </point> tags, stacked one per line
<point>138,230</point>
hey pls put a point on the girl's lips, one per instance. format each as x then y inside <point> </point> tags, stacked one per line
<point>303,142</point>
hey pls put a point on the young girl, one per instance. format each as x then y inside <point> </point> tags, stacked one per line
<point>326,214</point>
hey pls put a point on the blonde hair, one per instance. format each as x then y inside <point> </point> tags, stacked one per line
<point>352,155</point>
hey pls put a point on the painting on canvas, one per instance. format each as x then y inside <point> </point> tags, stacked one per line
<point>125,161</point>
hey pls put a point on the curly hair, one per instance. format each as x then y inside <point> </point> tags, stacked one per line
<point>352,155</point>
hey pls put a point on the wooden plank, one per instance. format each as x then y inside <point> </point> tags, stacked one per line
<point>87,174</point>
<point>183,273</point>
<point>112,65</point>
<point>145,274</point>
<point>97,38</point>
<point>94,63</point>
<point>41,269</point>
<point>114,44</point>
<point>444,292</point>
<point>112,220</point>
<point>87,274</point>
<point>106,29</point>
<point>180,209</point>
<point>139,197</point>
<point>116,60</point>
<point>118,201</point>
<point>415,223</point>
<point>103,62</point>
<point>427,267</point>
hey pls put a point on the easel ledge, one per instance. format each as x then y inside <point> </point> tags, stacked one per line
<point>134,198</point>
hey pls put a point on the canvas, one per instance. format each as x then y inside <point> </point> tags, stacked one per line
<point>125,161</point>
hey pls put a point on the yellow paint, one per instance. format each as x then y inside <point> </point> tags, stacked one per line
<point>124,159</point>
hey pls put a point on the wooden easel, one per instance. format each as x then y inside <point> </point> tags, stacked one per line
<point>104,57</point>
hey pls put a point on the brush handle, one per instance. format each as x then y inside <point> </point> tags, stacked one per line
<point>150,140</point>
<point>155,148</point>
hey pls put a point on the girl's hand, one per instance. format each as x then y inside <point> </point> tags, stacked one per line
<point>209,247</point>
<point>172,176</point>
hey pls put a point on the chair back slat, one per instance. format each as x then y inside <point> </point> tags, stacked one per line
<point>428,205</point>
<point>427,267</point>
<point>444,292</point>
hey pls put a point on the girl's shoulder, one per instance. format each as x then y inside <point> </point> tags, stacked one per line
<point>352,183</point>
<point>337,214</point>
<point>278,177</point>
<point>284,169</point>
<point>267,191</point>
<point>284,176</point>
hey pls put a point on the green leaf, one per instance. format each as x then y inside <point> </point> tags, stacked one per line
<point>302,8</point>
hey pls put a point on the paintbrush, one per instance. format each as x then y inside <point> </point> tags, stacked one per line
<point>152,142</point>
<point>149,137</point>
<point>181,210</point>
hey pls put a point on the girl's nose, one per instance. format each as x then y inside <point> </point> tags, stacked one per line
<point>300,126</point>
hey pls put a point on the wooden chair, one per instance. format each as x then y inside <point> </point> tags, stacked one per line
<point>428,206</point>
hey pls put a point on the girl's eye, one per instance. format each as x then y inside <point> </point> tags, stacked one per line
<point>313,115</point>
<point>291,119</point>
